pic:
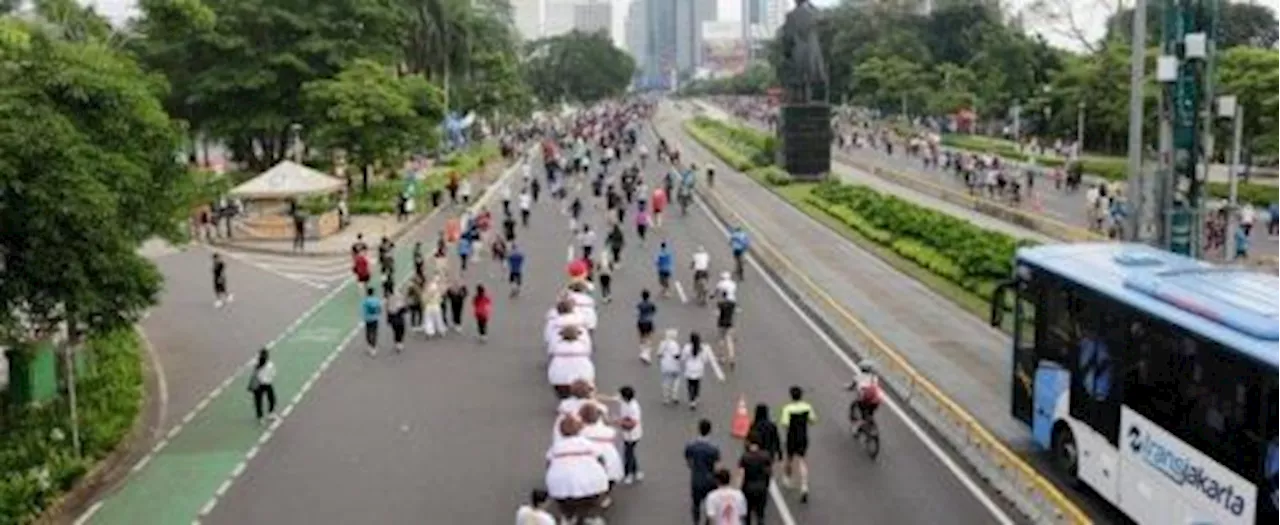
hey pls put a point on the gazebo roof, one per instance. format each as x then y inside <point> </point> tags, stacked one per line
<point>288,179</point>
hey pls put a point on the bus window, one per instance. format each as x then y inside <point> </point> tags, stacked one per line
<point>1150,383</point>
<point>1093,340</point>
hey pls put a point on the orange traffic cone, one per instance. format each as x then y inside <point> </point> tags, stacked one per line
<point>741,420</point>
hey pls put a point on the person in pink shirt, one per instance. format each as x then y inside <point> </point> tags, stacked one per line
<point>659,204</point>
<point>642,223</point>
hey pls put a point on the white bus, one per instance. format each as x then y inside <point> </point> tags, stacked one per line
<point>1151,378</point>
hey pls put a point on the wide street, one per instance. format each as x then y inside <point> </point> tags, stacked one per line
<point>455,431</point>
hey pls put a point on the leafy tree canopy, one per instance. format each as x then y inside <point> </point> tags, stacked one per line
<point>87,172</point>
<point>577,66</point>
<point>1241,24</point>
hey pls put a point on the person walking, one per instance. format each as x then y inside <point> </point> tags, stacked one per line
<point>725,309</point>
<point>631,421</point>
<point>701,456</point>
<point>670,365</point>
<point>535,512</point>
<point>642,223</point>
<point>604,274</point>
<point>665,263</point>
<point>615,240</point>
<point>371,309</point>
<point>456,297</point>
<point>220,295</point>
<point>261,385</point>
<point>696,358</point>
<point>755,469</point>
<point>605,437</point>
<point>645,312</point>
<point>465,245</point>
<point>413,300</point>
<point>433,309</point>
<point>526,206</point>
<point>482,306</point>
<point>766,433</point>
<point>726,505</point>
<point>395,306</point>
<point>515,269</point>
<point>576,476</point>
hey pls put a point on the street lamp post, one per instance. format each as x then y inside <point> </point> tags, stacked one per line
<point>1079,149</point>
<point>1229,106</point>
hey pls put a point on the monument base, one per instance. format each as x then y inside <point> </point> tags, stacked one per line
<point>804,140</point>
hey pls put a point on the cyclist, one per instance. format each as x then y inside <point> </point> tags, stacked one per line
<point>701,265</point>
<point>795,419</point>
<point>665,261</point>
<point>867,384</point>
<point>739,243</point>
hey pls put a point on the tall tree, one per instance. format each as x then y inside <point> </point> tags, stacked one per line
<point>87,172</point>
<point>1241,24</point>
<point>578,66</point>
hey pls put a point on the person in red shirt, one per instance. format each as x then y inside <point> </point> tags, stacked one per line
<point>361,268</point>
<point>482,304</point>
<point>659,204</point>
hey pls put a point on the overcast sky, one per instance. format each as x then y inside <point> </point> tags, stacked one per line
<point>1091,15</point>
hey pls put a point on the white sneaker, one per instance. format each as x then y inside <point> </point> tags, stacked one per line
<point>230,297</point>
<point>217,304</point>
<point>644,356</point>
<point>627,480</point>
<point>373,352</point>
<point>639,476</point>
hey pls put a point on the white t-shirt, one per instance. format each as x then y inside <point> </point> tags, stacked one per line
<point>670,359</point>
<point>631,409</point>
<point>728,288</point>
<point>587,238</point>
<point>695,366</point>
<point>1246,214</point>
<point>534,516</point>
<point>701,261</point>
<point>726,506</point>
<point>526,200</point>
<point>266,374</point>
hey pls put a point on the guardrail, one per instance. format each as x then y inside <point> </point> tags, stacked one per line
<point>1010,475</point>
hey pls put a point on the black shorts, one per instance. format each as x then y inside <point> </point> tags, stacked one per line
<point>664,278</point>
<point>515,278</point>
<point>645,328</point>
<point>219,287</point>
<point>797,447</point>
<point>700,274</point>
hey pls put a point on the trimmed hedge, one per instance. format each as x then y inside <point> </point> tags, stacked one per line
<point>37,461</point>
<point>973,258</point>
<point>382,195</point>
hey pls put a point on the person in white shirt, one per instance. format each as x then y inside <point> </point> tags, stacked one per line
<point>261,385</point>
<point>605,437</point>
<point>587,240</point>
<point>701,266</point>
<point>570,361</point>
<point>584,304</point>
<point>576,477</point>
<point>526,205</point>
<point>558,317</point>
<point>696,357</point>
<point>1247,216</point>
<point>631,422</point>
<point>464,191</point>
<point>670,365</point>
<point>727,287</point>
<point>535,512</point>
<point>725,505</point>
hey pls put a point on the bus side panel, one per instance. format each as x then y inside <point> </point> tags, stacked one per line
<point>1051,384</point>
<point>1163,480</point>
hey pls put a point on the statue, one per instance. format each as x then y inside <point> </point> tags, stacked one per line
<point>802,71</point>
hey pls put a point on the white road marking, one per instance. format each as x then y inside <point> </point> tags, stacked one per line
<point>162,382</point>
<point>680,292</point>
<point>266,268</point>
<point>568,257</point>
<point>84,518</point>
<point>715,366</point>
<point>964,478</point>
<point>141,463</point>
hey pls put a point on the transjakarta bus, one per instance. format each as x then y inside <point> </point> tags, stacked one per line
<point>1151,378</point>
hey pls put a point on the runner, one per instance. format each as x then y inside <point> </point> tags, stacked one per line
<point>433,309</point>
<point>464,249</point>
<point>526,203</point>
<point>724,321</point>
<point>702,457</point>
<point>515,269</point>
<point>795,419</point>
<point>604,273</point>
<point>456,297</point>
<point>220,295</point>
<point>419,261</point>
<point>659,205</point>
<point>665,261</point>
<point>616,241</point>
<point>727,288</point>
<point>395,319</point>
<point>645,312</point>
<point>726,505</point>
<point>739,243</point>
<point>701,274</point>
<point>371,310</point>
<point>587,241</point>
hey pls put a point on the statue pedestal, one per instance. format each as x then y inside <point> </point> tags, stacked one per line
<point>804,140</point>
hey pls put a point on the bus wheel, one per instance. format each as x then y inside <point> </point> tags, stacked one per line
<point>1066,455</point>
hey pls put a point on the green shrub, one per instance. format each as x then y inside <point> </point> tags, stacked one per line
<point>383,194</point>
<point>720,148</point>
<point>952,248</point>
<point>37,462</point>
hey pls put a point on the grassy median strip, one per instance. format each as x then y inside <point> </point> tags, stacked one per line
<point>953,257</point>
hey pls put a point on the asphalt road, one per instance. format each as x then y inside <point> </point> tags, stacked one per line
<point>455,431</point>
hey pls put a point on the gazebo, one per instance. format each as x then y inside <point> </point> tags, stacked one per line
<point>268,195</point>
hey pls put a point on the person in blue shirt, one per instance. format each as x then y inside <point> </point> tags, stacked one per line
<point>665,262</point>
<point>370,311</point>
<point>739,243</point>
<point>464,247</point>
<point>515,269</point>
<point>1242,243</point>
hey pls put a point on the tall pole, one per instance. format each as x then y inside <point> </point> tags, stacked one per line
<point>1079,130</point>
<point>1233,212</point>
<point>1137,65</point>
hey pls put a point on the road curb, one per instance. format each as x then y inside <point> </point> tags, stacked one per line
<point>1003,471</point>
<point>106,475</point>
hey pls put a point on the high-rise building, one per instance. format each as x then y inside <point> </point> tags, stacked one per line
<point>690,14</point>
<point>636,41</point>
<point>660,42</point>
<point>559,17</point>
<point>593,16</point>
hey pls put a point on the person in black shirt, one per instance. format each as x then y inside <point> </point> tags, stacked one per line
<point>615,240</point>
<point>456,298</point>
<point>419,261</point>
<point>395,318</point>
<point>220,295</point>
<point>724,320</point>
<point>766,432</point>
<point>701,456</point>
<point>509,227</point>
<point>755,468</point>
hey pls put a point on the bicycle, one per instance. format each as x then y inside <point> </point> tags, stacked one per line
<point>867,433</point>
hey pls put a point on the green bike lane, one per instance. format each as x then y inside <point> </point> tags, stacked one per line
<point>198,460</point>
